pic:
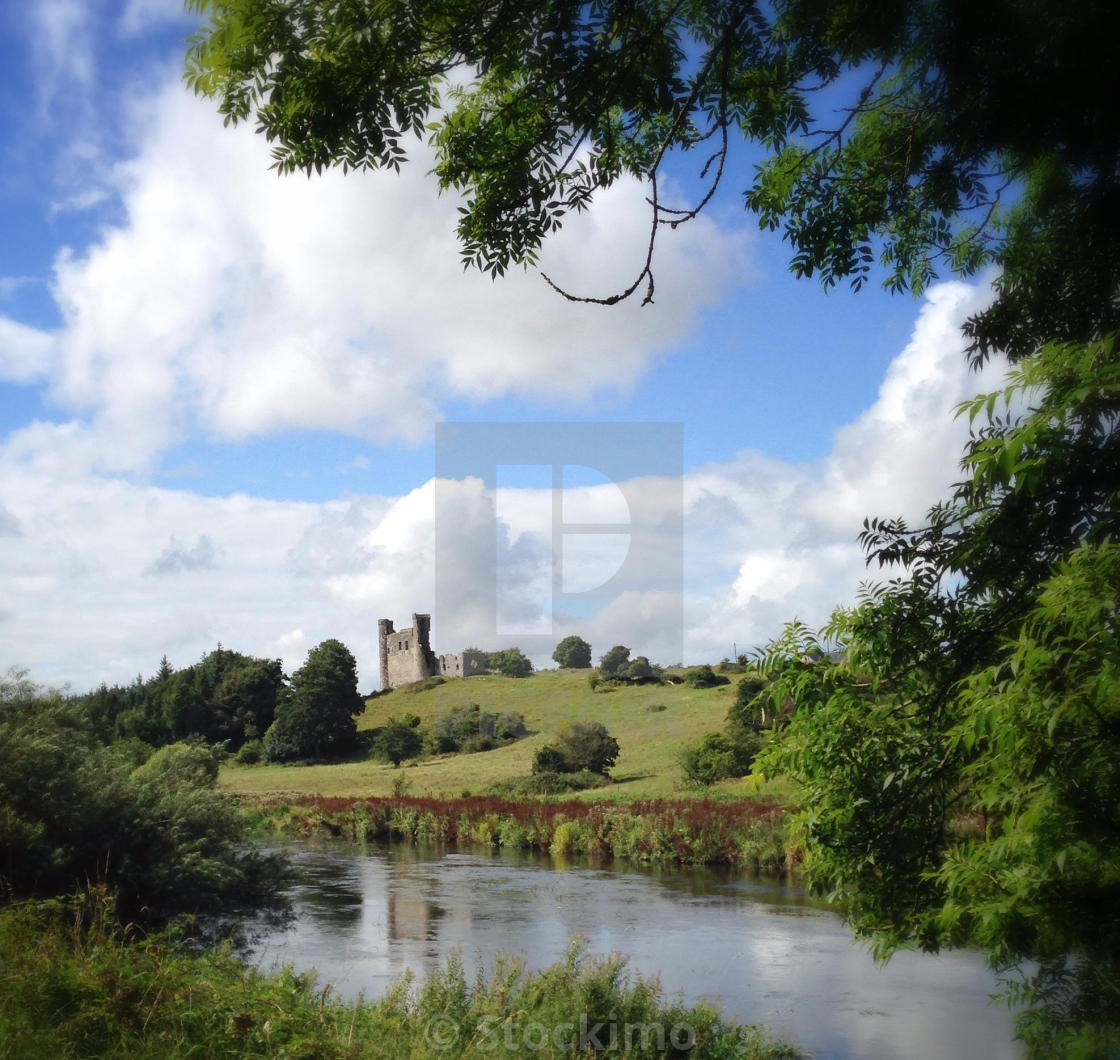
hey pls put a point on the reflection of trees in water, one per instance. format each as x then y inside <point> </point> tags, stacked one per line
<point>329,890</point>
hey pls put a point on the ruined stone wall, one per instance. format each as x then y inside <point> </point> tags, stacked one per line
<point>406,654</point>
<point>464,664</point>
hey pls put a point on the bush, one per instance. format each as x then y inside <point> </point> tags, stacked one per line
<point>641,671</point>
<point>550,783</point>
<point>718,757</point>
<point>158,836</point>
<point>511,662</point>
<point>754,708</point>
<point>579,746</point>
<point>471,729</point>
<point>704,677</point>
<point>251,753</point>
<point>573,652</point>
<point>399,739</point>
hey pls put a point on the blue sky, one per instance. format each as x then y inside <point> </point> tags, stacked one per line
<point>219,389</point>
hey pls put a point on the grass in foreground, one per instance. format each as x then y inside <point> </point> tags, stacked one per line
<point>651,739</point>
<point>72,988</point>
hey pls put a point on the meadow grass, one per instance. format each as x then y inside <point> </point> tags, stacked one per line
<point>650,739</point>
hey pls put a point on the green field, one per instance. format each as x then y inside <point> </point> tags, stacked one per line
<point>650,740</point>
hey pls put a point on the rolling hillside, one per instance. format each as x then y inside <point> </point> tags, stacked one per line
<point>650,739</point>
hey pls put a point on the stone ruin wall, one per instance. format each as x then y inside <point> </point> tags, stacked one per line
<point>465,664</point>
<point>407,656</point>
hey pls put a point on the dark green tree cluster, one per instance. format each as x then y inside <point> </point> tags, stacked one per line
<point>617,667</point>
<point>74,812</point>
<point>510,662</point>
<point>315,718</point>
<point>573,653</point>
<point>470,728</point>
<point>226,697</point>
<point>959,763</point>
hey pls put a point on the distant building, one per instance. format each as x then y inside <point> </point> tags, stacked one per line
<point>407,656</point>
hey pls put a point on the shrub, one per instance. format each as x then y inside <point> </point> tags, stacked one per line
<point>511,662</point>
<point>399,739</point>
<point>704,677</point>
<point>573,653</point>
<point>717,757</point>
<point>471,729</point>
<point>158,836</point>
<point>549,783</point>
<point>250,753</point>
<point>579,746</point>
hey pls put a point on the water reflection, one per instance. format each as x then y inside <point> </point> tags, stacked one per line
<point>762,951</point>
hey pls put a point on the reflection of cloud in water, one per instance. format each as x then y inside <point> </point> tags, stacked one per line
<point>761,951</point>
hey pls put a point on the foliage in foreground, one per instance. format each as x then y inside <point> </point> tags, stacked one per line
<point>961,769</point>
<point>73,985</point>
<point>73,812</point>
<point>746,832</point>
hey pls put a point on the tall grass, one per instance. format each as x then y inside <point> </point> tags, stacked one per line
<point>749,833</point>
<point>73,984</point>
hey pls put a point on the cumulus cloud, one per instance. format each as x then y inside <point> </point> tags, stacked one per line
<point>763,541</point>
<point>233,304</point>
<point>177,557</point>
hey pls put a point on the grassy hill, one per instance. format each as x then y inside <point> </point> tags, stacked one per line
<point>650,739</point>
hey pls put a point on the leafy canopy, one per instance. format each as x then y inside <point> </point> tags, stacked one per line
<point>930,136</point>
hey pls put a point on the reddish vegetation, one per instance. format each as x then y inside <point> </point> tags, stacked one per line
<point>743,832</point>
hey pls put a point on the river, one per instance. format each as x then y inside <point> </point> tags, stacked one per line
<point>760,950</point>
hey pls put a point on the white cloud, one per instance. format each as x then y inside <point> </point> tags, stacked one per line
<point>25,353</point>
<point>234,304</point>
<point>764,541</point>
<point>142,16</point>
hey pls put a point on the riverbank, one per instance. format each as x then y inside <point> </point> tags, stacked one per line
<point>745,833</point>
<point>75,984</point>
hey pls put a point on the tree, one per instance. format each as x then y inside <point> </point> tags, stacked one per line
<point>399,739</point>
<point>965,133</point>
<point>573,653</point>
<point>962,763</point>
<point>161,838</point>
<point>511,662</point>
<point>316,717</point>
<point>579,746</point>
<point>613,665</point>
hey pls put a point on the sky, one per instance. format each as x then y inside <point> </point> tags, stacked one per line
<point>221,394</point>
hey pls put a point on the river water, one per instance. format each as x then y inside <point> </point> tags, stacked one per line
<point>760,950</point>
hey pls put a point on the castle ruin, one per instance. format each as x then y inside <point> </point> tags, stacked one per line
<point>407,656</point>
